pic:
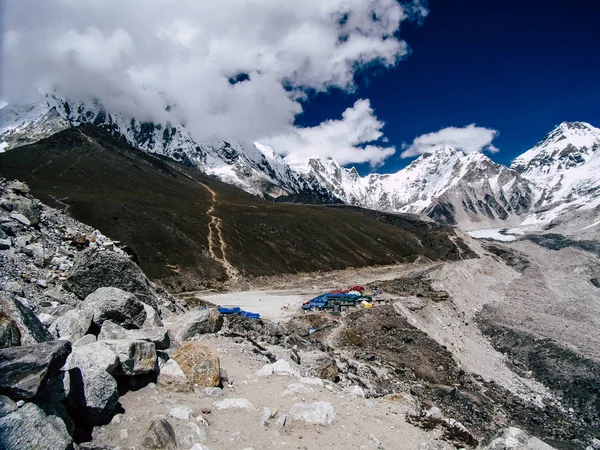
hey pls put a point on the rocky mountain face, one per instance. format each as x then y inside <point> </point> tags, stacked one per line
<point>449,186</point>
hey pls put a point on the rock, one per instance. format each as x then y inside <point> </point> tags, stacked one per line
<point>36,252</point>
<point>224,376</point>
<point>160,336</point>
<point>46,319</point>
<point>193,323</point>
<point>235,403</point>
<point>297,389</point>
<point>22,209</point>
<point>321,365</point>
<point>212,392</point>
<point>31,329</point>
<point>34,427</point>
<point>160,435</point>
<point>355,391</point>
<point>595,282</point>
<point>171,376</point>
<point>199,446</point>
<point>199,364</point>
<point>152,317</point>
<point>312,381</point>
<point>181,412</point>
<point>267,415</point>
<point>515,438</point>
<point>10,336</point>
<point>135,357</point>
<point>413,303</point>
<point>73,325</point>
<point>319,413</point>
<point>6,406</point>
<point>21,219</point>
<point>94,393</point>
<point>279,367</point>
<point>96,269</point>
<point>85,340</point>
<point>116,305</point>
<point>434,413</point>
<point>25,372</point>
<point>5,244</point>
<point>18,186</point>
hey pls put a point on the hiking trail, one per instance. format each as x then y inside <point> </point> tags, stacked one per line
<point>215,238</point>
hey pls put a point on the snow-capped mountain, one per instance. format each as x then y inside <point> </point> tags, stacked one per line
<point>559,174</point>
<point>564,171</point>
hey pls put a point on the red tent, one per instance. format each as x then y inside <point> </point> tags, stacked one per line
<point>357,288</point>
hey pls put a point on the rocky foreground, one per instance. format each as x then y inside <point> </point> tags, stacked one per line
<point>95,356</point>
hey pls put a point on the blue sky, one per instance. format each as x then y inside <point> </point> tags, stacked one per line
<point>517,66</point>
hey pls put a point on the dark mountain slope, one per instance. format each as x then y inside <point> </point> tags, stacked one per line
<point>162,210</point>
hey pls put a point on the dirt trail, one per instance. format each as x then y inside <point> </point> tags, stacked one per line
<point>215,238</point>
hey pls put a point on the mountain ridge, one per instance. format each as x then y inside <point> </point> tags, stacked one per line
<point>450,186</point>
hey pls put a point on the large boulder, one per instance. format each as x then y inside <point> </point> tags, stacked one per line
<point>116,305</point>
<point>27,371</point>
<point>94,393</point>
<point>194,323</point>
<point>34,426</point>
<point>199,364</point>
<point>31,330</point>
<point>158,335</point>
<point>135,357</point>
<point>73,325</point>
<point>95,269</point>
<point>170,375</point>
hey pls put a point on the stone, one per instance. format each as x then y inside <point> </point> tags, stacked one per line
<point>10,336</point>
<point>18,186</point>
<point>181,412</point>
<point>94,392</point>
<point>116,305</point>
<point>235,403</point>
<point>515,438</point>
<point>297,389</point>
<point>170,375</point>
<point>135,357</point>
<point>85,340</point>
<point>199,446</point>
<point>211,392</point>
<point>73,325</point>
<point>158,335</point>
<point>199,364</point>
<point>5,244</point>
<point>46,319</point>
<point>32,331</point>
<point>152,317</point>
<point>95,269</point>
<point>279,367</point>
<point>160,435</point>
<point>194,323</point>
<point>34,426</point>
<point>321,365</point>
<point>319,413</point>
<point>26,371</point>
<point>21,219</point>
<point>35,252</point>
<point>7,405</point>
<point>312,381</point>
<point>355,391</point>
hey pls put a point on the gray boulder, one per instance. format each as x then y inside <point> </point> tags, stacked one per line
<point>94,393</point>
<point>73,325</point>
<point>34,426</point>
<point>160,434</point>
<point>193,323</point>
<point>135,357</point>
<point>319,413</point>
<point>112,331</point>
<point>116,305</point>
<point>27,371</point>
<point>30,328</point>
<point>95,269</point>
<point>21,206</point>
<point>152,317</point>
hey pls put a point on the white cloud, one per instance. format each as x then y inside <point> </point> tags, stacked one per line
<point>139,55</point>
<point>352,139</point>
<point>468,139</point>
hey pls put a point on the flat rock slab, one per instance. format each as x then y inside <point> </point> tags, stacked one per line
<point>158,335</point>
<point>31,330</point>
<point>26,371</point>
<point>319,413</point>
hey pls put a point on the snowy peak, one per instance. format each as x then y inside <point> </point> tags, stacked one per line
<point>569,145</point>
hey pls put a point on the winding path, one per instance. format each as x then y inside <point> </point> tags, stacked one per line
<point>216,243</point>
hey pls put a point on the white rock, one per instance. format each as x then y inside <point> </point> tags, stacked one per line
<point>46,319</point>
<point>319,413</point>
<point>312,381</point>
<point>73,325</point>
<point>21,218</point>
<point>152,317</point>
<point>279,367</point>
<point>199,446</point>
<point>85,340</point>
<point>235,403</point>
<point>181,412</point>
<point>212,392</point>
<point>355,391</point>
<point>297,388</point>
